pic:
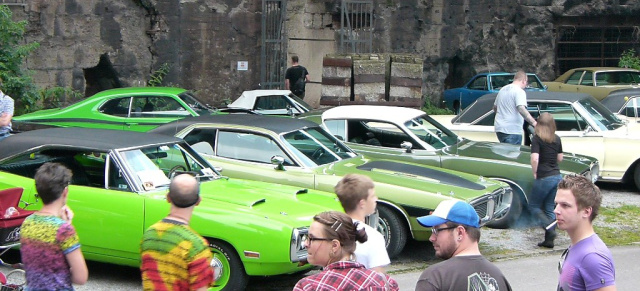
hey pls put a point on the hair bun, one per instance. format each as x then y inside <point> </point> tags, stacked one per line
<point>361,233</point>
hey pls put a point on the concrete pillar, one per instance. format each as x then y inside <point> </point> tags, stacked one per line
<point>336,80</point>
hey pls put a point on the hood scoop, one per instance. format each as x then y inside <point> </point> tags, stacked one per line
<point>441,177</point>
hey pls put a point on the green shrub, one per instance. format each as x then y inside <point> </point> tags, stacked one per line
<point>628,59</point>
<point>157,76</point>
<point>432,109</point>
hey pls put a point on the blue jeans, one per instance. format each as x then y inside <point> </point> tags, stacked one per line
<point>509,138</point>
<point>542,199</point>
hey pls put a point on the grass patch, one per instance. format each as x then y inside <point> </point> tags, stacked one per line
<point>618,226</point>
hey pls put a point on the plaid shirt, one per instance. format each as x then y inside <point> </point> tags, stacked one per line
<point>346,275</point>
<point>6,106</point>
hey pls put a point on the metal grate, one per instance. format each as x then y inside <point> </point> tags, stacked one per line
<point>594,46</point>
<point>14,2</point>
<point>356,24</point>
<point>273,57</point>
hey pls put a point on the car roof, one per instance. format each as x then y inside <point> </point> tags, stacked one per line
<point>89,138</point>
<point>603,69</point>
<point>485,103</point>
<point>615,99</point>
<point>276,124</point>
<point>394,114</point>
<point>135,90</point>
<point>247,99</point>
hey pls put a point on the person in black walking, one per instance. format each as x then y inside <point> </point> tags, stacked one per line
<point>296,77</point>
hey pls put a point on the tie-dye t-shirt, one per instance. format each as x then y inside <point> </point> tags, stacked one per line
<point>174,257</point>
<point>44,242</point>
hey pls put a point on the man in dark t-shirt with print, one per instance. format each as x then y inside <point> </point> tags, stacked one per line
<point>296,78</point>
<point>455,233</point>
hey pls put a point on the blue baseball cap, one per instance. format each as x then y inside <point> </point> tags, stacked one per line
<point>451,210</point>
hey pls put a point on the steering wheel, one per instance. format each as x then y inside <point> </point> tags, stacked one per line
<point>428,138</point>
<point>173,170</point>
<point>317,154</point>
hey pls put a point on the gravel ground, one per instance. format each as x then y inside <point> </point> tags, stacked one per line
<point>504,244</point>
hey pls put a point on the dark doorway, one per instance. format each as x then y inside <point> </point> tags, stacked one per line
<point>101,77</point>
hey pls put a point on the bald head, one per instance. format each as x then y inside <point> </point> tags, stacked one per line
<point>184,191</point>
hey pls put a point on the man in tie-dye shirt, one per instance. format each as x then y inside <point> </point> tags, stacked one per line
<point>50,247</point>
<point>174,256</point>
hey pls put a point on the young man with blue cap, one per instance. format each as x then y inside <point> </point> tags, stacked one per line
<point>455,233</point>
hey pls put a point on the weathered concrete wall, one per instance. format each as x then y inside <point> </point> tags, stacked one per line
<point>203,40</point>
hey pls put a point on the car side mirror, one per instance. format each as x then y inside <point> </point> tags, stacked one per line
<point>407,146</point>
<point>545,87</point>
<point>279,162</point>
<point>218,169</point>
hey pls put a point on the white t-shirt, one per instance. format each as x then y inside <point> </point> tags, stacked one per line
<point>508,120</point>
<point>373,252</point>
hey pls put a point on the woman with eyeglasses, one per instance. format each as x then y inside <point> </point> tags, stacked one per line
<point>331,244</point>
<point>546,153</point>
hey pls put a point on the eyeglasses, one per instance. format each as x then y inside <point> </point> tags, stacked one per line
<point>436,230</point>
<point>309,239</point>
<point>563,258</point>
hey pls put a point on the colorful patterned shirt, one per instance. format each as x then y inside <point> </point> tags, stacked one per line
<point>344,275</point>
<point>174,257</point>
<point>45,240</point>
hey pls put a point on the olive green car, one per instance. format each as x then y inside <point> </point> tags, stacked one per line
<point>119,186</point>
<point>300,153</point>
<point>407,134</point>
<point>598,82</point>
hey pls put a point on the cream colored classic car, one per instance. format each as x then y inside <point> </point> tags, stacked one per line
<point>584,125</point>
<point>625,103</point>
<point>596,81</point>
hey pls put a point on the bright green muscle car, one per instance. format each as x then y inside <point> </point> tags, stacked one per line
<point>119,186</point>
<point>300,153</point>
<point>134,109</point>
<point>407,134</point>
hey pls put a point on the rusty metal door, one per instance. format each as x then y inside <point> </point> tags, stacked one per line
<point>273,57</point>
<point>356,25</point>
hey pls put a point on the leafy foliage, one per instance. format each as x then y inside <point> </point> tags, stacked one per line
<point>157,76</point>
<point>16,82</point>
<point>432,109</point>
<point>57,97</point>
<point>629,59</point>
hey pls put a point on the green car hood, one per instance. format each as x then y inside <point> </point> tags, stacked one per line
<point>280,202</point>
<point>424,178</point>
<point>511,153</point>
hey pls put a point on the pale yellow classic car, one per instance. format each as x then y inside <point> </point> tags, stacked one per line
<point>584,125</point>
<point>595,81</point>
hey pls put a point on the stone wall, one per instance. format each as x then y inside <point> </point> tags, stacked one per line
<point>203,40</point>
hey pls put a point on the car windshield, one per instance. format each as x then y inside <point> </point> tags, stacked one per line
<point>152,167</point>
<point>194,103</point>
<point>315,147</point>
<point>430,131</point>
<point>499,81</point>
<point>302,103</point>
<point>602,116</point>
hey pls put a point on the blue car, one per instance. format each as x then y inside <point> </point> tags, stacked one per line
<point>481,84</point>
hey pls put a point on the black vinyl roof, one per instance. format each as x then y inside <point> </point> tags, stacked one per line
<point>615,100</point>
<point>277,124</point>
<point>86,138</point>
<point>485,103</point>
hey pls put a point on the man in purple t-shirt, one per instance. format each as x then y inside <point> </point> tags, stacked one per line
<point>587,264</point>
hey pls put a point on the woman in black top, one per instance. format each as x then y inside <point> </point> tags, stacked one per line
<point>546,153</point>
